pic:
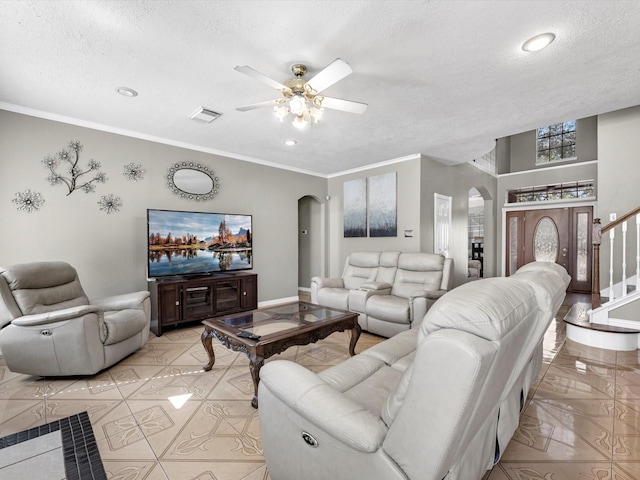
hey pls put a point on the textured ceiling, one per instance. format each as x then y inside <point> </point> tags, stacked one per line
<point>442,78</point>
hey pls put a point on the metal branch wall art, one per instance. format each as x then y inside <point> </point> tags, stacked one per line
<point>28,201</point>
<point>110,203</point>
<point>77,178</point>
<point>133,172</point>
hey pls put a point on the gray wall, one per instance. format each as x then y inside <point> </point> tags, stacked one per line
<point>418,179</point>
<point>618,180</point>
<point>455,181</point>
<point>109,251</point>
<point>517,153</point>
<point>408,190</point>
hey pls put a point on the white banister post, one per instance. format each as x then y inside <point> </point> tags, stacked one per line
<point>612,235</point>
<point>624,259</point>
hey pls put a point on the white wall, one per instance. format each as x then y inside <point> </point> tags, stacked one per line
<point>109,251</point>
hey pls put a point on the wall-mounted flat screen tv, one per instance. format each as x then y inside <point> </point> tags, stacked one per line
<point>197,243</point>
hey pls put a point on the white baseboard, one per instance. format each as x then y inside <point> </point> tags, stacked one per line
<point>278,301</point>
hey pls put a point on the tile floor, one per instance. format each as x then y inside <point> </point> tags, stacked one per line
<point>158,416</point>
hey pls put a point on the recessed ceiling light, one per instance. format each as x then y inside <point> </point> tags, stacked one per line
<point>538,42</point>
<point>127,92</point>
<point>291,143</point>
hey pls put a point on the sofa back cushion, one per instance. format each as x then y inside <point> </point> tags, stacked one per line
<point>388,267</point>
<point>42,287</point>
<point>487,308</point>
<point>360,267</point>
<point>417,271</point>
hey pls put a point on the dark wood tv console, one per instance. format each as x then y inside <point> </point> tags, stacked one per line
<point>181,300</point>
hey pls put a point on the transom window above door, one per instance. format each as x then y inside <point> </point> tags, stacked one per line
<point>556,142</point>
<point>584,189</point>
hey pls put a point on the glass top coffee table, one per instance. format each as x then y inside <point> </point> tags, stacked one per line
<point>261,333</point>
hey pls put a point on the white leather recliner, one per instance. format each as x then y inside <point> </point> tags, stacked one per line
<point>437,402</point>
<point>48,326</point>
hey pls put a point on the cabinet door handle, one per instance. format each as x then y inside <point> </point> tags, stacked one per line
<point>177,303</point>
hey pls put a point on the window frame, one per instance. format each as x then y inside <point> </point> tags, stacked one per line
<point>558,136</point>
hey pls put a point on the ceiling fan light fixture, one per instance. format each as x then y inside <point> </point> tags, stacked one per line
<point>300,122</point>
<point>316,114</point>
<point>297,104</point>
<point>280,111</point>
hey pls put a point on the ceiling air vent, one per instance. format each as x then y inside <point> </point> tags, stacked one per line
<point>204,115</point>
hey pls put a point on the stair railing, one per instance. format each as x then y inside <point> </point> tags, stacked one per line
<point>596,238</point>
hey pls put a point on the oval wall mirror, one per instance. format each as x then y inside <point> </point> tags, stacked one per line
<point>192,181</point>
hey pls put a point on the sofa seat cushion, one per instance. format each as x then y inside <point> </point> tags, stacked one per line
<point>352,371</point>
<point>121,325</point>
<point>366,380</point>
<point>390,308</point>
<point>334,298</point>
<point>372,393</point>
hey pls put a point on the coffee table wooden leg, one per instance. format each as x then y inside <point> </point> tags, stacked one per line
<point>255,364</point>
<point>355,335</point>
<point>206,343</point>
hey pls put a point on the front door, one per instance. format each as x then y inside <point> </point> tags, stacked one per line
<point>560,235</point>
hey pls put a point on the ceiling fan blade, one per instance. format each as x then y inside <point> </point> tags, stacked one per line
<point>332,73</point>
<point>261,77</point>
<point>344,105</point>
<point>253,106</point>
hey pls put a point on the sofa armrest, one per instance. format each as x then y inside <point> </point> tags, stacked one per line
<point>122,302</point>
<point>322,282</point>
<point>55,316</point>
<point>322,405</point>
<point>428,294</point>
<point>377,287</point>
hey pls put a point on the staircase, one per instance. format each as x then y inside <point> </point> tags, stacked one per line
<point>595,324</point>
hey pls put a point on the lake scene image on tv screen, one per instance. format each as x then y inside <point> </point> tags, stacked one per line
<point>189,243</point>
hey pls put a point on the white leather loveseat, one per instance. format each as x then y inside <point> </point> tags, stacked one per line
<point>436,402</point>
<point>389,290</point>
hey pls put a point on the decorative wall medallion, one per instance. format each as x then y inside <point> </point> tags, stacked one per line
<point>192,181</point>
<point>133,172</point>
<point>28,201</point>
<point>76,179</point>
<point>110,203</point>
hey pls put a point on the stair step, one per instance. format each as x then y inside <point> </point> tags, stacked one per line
<point>578,316</point>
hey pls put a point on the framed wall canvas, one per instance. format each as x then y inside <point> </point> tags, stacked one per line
<point>355,208</point>
<point>383,221</point>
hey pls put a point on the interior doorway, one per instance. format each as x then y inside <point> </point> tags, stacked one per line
<point>310,241</point>
<point>475,242</point>
<point>561,235</point>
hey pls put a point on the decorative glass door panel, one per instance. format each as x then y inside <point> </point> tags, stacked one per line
<point>197,301</point>
<point>545,241</point>
<point>227,295</point>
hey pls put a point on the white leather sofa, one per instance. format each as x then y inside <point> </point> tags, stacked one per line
<point>48,326</point>
<point>437,402</point>
<point>389,290</point>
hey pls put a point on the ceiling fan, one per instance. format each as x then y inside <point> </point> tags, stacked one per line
<point>302,98</point>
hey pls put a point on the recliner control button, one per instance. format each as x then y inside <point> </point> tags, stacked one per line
<point>309,440</point>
